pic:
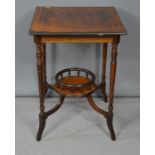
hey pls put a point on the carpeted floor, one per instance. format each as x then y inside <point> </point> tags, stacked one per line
<point>76,129</point>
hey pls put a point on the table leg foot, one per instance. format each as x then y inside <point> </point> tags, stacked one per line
<point>112,84</point>
<point>110,126</point>
<point>44,115</point>
<point>42,122</point>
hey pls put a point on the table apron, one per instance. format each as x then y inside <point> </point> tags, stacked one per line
<point>76,39</point>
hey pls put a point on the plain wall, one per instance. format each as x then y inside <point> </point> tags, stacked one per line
<point>60,56</point>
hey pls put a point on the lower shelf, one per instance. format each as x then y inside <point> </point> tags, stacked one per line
<point>75,91</point>
<point>75,82</point>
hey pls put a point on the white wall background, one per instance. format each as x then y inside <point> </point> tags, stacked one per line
<point>81,55</point>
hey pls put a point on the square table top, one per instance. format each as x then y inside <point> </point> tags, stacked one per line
<point>76,21</point>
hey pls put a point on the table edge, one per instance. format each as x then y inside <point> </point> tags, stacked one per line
<point>31,32</point>
<point>76,34</point>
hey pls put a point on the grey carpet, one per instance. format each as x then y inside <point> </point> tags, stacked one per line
<point>76,129</point>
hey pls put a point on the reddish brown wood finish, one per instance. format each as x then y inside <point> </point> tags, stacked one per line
<point>76,39</point>
<point>76,25</point>
<point>40,53</point>
<point>82,20</point>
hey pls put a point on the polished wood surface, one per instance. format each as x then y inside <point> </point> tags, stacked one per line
<point>75,82</point>
<point>76,25</point>
<point>76,21</point>
<point>78,92</point>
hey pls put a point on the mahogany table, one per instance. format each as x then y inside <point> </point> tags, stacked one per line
<point>76,25</point>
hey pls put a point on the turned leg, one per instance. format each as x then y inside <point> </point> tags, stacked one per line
<point>103,83</point>
<point>40,54</point>
<point>41,69</point>
<point>44,69</point>
<point>112,84</point>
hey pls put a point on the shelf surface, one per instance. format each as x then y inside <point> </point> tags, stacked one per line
<point>75,91</point>
<point>75,80</point>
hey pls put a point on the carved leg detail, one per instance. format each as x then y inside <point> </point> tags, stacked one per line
<point>112,84</point>
<point>41,68</point>
<point>110,121</point>
<point>40,53</point>
<point>44,69</point>
<point>103,83</point>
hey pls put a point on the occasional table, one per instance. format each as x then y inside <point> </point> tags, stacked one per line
<point>76,25</point>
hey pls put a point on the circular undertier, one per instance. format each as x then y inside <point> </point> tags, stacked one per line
<point>75,82</point>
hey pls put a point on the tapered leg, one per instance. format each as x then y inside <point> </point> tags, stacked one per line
<point>103,83</point>
<point>42,121</point>
<point>112,84</point>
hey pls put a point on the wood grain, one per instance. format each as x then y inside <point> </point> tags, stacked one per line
<point>76,20</point>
